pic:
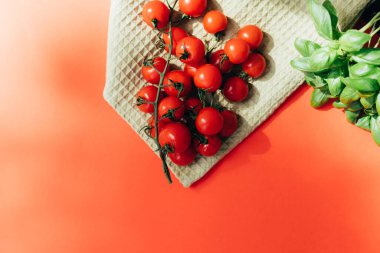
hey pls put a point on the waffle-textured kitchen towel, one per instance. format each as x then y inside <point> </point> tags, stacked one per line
<point>130,40</point>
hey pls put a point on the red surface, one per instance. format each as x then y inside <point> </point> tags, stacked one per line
<point>75,178</point>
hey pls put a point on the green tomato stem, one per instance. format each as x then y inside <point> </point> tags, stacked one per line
<point>160,87</point>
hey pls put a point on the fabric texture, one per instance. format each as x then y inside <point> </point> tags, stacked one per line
<point>131,40</point>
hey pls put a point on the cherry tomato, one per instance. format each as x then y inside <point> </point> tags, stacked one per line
<point>156,14</point>
<point>209,121</point>
<point>252,35</point>
<point>176,136</point>
<point>220,60</point>
<point>152,126</point>
<point>184,158</point>
<point>208,78</point>
<point>230,124</point>
<point>235,89</point>
<point>193,104</point>
<point>145,97</point>
<point>191,69</point>
<point>177,34</point>
<point>177,83</point>
<point>171,109</point>
<point>191,50</point>
<point>210,148</point>
<point>149,73</point>
<point>193,8</point>
<point>255,65</point>
<point>237,50</point>
<point>214,22</point>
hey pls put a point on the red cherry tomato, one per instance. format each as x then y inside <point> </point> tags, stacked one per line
<point>149,73</point>
<point>177,83</point>
<point>230,124</point>
<point>177,34</point>
<point>252,35</point>
<point>145,97</point>
<point>208,78</point>
<point>210,148</point>
<point>215,22</point>
<point>193,8</point>
<point>193,104</point>
<point>184,158</point>
<point>176,136</point>
<point>190,50</point>
<point>209,121</point>
<point>152,126</point>
<point>171,109</point>
<point>255,65</point>
<point>156,14</point>
<point>235,89</point>
<point>220,60</point>
<point>191,69</point>
<point>237,50</point>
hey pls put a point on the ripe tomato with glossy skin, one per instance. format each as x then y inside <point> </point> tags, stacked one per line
<point>177,136</point>
<point>177,34</point>
<point>215,22</point>
<point>235,89</point>
<point>191,50</point>
<point>193,104</point>
<point>149,73</point>
<point>208,78</point>
<point>209,121</point>
<point>156,14</point>
<point>176,80</point>
<point>252,34</point>
<point>145,97</point>
<point>237,50</point>
<point>213,145</point>
<point>230,124</point>
<point>192,69</point>
<point>255,65</point>
<point>193,8</point>
<point>184,158</point>
<point>220,60</point>
<point>171,105</point>
<point>152,127</point>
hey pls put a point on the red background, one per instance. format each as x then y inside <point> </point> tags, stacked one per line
<point>75,178</point>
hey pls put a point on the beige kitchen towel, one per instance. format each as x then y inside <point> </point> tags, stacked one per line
<point>130,40</point>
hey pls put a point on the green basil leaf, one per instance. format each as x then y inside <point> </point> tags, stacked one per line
<point>348,96</point>
<point>306,47</point>
<point>322,19</point>
<point>378,104</point>
<point>333,17</point>
<point>355,106</point>
<point>368,55</point>
<point>323,58</point>
<point>368,102</point>
<point>353,40</point>
<point>352,116</point>
<point>335,86</point>
<point>363,85</point>
<point>302,64</point>
<point>314,80</point>
<point>370,111</point>
<point>319,98</point>
<point>339,105</point>
<point>365,70</point>
<point>364,123</point>
<point>375,129</point>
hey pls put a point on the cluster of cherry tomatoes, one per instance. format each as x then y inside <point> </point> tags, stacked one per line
<point>190,122</point>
